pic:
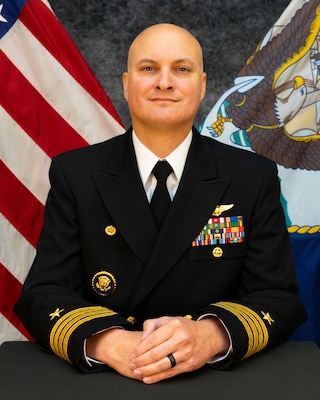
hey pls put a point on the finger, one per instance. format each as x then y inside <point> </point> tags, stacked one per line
<point>156,371</point>
<point>151,325</point>
<point>153,355</point>
<point>156,343</point>
<point>159,377</point>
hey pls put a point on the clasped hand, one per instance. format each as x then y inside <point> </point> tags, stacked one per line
<point>144,355</point>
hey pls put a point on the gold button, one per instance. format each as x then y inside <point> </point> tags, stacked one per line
<point>217,252</point>
<point>110,230</point>
<point>131,319</point>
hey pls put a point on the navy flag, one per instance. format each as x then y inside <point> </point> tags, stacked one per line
<point>273,108</point>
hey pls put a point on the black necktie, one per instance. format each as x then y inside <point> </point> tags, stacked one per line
<point>161,201</point>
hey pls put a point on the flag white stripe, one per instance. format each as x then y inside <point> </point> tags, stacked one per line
<point>46,3</point>
<point>16,262</point>
<point>9,331</point>
<point>43,76</point>
<point>22,154</point>
<point>26,160</point>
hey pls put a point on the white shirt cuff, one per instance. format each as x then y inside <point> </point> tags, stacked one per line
<point>90,361</point>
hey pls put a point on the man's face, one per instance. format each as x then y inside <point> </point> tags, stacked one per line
<point>165,82</point>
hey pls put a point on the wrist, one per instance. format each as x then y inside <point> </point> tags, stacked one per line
<point>96,343</point>
<point>218,336</point>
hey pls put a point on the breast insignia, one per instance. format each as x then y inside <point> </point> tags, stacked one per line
<point>221,209</point>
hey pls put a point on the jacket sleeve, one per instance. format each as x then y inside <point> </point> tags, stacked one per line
<point>52,305</point>
<point>268,308</point>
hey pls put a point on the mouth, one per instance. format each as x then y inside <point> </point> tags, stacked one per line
<point>163,100</point>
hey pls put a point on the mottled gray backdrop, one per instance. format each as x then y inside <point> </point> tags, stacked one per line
<point>229,30</point>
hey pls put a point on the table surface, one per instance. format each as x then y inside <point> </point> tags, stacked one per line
<point>289,372</point>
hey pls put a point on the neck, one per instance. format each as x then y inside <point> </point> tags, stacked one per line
<point>161,142</point>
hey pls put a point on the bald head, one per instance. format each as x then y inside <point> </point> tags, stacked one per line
<point>166,35</point>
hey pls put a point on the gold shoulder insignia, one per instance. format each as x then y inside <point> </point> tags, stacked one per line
<point>221,208</point>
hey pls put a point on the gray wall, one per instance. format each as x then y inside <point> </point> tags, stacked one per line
<point>228,30</point>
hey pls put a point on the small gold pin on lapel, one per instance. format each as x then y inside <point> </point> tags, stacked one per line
<point>221,208</point>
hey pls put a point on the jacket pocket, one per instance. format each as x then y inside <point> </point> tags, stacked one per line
<point>217,252</point>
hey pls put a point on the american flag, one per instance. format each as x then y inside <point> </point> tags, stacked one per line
<point>50,102</point>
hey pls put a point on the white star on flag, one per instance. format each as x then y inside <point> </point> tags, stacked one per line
<point>2,19</point>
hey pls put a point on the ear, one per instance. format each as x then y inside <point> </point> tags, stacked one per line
<point>203,84</point>
<point>125,80</point>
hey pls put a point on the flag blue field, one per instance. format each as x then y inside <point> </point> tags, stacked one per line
<point>273,109</point>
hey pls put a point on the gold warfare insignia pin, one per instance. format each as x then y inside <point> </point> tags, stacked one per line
<point>221,209</point>
<point>104,283</point>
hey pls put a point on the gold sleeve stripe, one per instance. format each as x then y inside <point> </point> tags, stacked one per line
<point>257,332</point>
<point>66,325</point>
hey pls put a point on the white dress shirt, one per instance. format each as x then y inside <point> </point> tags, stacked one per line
<point>147,160</point>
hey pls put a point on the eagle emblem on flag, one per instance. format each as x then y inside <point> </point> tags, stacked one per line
<point>274,105</point>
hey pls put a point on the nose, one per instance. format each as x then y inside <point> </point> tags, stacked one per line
<point>165,80</point>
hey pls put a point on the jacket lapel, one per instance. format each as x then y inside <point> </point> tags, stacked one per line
<point>199,192</point>
<point>122,191</point>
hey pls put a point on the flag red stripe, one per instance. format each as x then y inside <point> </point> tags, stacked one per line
<point>24,109</point>
<point>10,289</point>
<point>43,129</point>
<point>19,206</point>
<point>67,54</point>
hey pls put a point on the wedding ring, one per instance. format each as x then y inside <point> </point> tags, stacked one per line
<point>172,360</point>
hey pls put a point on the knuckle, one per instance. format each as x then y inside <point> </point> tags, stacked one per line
<point>154,352</point>
<point>177,322</point>
<point>163,366</point>
<point>145,324</point>
<point>151,342</point>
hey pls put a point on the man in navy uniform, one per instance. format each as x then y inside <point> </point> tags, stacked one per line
<point>211,281</point>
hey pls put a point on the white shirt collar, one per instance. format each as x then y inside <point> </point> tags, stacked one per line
<point>146,159</point>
